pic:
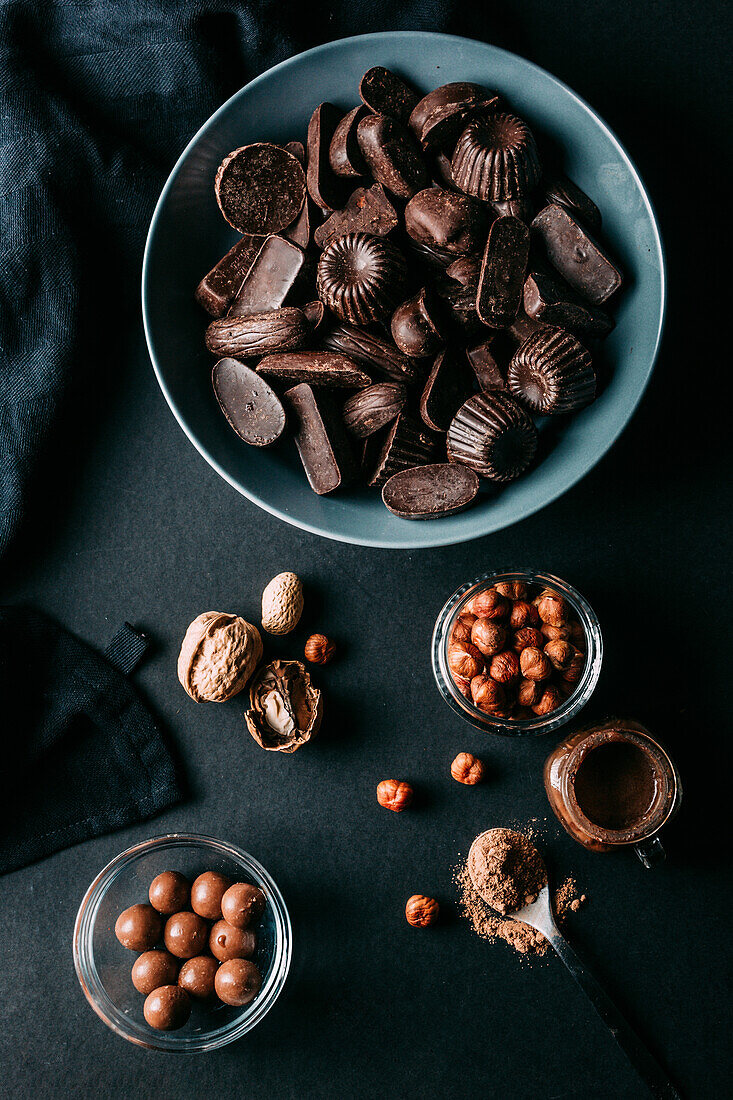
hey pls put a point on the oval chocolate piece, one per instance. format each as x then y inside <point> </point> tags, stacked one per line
<point>344,155</point>
<point>417,325</point>
<point>503,269</point>
<point>458,92</point>
<point>258,334</point>
<point>374,407</point>
<point>372,352</point>
<point>392,155</point>
<point>317,368</point>
<point>260,188</point>
<point>575,255</point>
<point>251,407</point>
<point>385,93</point>
<point>430,492</point>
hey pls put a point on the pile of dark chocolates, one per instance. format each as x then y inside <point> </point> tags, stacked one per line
<point>417,254</point>
<point>206,929</point>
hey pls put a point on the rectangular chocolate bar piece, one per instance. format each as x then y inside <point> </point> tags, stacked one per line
<point>321,439</point>
<point>573,252</point>
<point>271,278</point>
<point>502,272</point>
<point>217,290</point>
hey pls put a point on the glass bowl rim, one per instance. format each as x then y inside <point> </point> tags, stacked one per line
<point>512,727</point>
<point>172,1042</point>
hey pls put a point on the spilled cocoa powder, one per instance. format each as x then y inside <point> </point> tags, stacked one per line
<point>510,871</point>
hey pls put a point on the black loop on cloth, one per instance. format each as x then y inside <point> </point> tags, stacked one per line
<point>127,649</point>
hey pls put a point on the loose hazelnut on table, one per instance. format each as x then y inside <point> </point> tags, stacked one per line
<point>486,694</point>
<point>394,794</point>
<point>467,769</point>
<point>527,636</point>
<point>504,668</point>
<point>488,637</point>
<point>319,649</point>
<point>534,664</point>
<point>465,660</point>
<point>421,911</point>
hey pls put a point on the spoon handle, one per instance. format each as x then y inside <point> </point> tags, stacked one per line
<point>640,1058</point>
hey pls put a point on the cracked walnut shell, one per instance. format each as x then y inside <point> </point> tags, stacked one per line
<point>286,709</point>
<point>218,655</point>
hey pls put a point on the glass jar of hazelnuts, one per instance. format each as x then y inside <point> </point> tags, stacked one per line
<point>517,652</point>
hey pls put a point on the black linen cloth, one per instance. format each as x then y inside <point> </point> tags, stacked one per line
<point>97,98</point>
<point>81,753</point>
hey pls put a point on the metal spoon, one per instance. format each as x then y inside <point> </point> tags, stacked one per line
<point>539,915</point>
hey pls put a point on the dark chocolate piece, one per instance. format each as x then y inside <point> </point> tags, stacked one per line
<point>371,409</point>
<point>458,292</point>
<point>317,368</point>
<point>565,193</point>
<point>515,208</point>
<point>367,211</point>
<point>270,279</point>
<point>251,407</point>
<point>444,125</point>
<point>552,373</point>
<point>260,188</point>
<point>449,384</point>
<point>260,333</point>
<point>314,313</point>
<point>372,352</point>
<point>344,155</point>
<point>483,360</point>
<point>460,92</point>
<point>496,159</point>
<point>430,492</point>
<point>385,93</point>
<point>299,231</point>
<point>504,266</point>
<point>405,446</point>
<point>523,326</point>
<point>447,220</point>
<point>217,290</point>
<point>417,325</point>
<point>361,278</point>
<point>321,440</point>
<point>326,190</point>
<point>552,302</point>
<point>574,253</point>
<point>392,155</point>
<point>492,434</point>
<point>443,175</point>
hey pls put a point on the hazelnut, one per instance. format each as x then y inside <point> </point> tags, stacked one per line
<point>573,672</point>
<point>534,664</point>
<point>528,635</point>
<point>512,590</point>
<point>528,693</point>
<point>487,694</point>
<point>552,608</point>
<point>523,614</point>
<point>421,911</point>
<point>488,637</point>
<point>467,768</point>
<point>504,668</point>
<point>282,604</point>
<point>464,660</point>
<point>462,629</point>
<point>489,605</point>
<point>549,701</point>
<point>463,685</point>
<point>555,633</point>
<point>577,636</point>
<point>560,653</point>
<point>218,655</point>
<point>319,649</point>
<point>394,794</point>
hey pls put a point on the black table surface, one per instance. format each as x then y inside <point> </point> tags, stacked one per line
<point>135,525</point>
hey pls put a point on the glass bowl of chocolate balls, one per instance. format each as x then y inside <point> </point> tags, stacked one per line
<point>182,943</point>
<point>517,652</point>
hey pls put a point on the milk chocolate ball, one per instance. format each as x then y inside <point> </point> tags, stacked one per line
<point>242,904</point>
<point>185,935</point>
<point>228,942</point>
<point>139,928</point>
<point>238,981</point>
<point>153,969</point>
<point>167,1008</point>
<point>169,892</point>
<point>197,977</point>
<point>206,894</point>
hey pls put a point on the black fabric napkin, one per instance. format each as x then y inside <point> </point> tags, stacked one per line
<point>97,98</point>
<point>81,753</point>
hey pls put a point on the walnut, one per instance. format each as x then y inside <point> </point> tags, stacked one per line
<point>218,655</point>
<point>286,708</point>
<point>282,604</point>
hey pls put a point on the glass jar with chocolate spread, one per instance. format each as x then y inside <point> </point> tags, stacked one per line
<point>613,785</point>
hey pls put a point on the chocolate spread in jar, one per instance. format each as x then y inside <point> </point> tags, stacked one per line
<point>616,785</point>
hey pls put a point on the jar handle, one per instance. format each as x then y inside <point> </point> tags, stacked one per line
<point>650,852</point>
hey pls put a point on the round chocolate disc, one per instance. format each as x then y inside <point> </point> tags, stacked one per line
<point>260,188</point>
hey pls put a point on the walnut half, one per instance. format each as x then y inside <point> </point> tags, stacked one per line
<point>286,708</point>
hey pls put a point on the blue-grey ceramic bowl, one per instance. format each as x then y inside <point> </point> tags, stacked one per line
<point>188,235</point>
